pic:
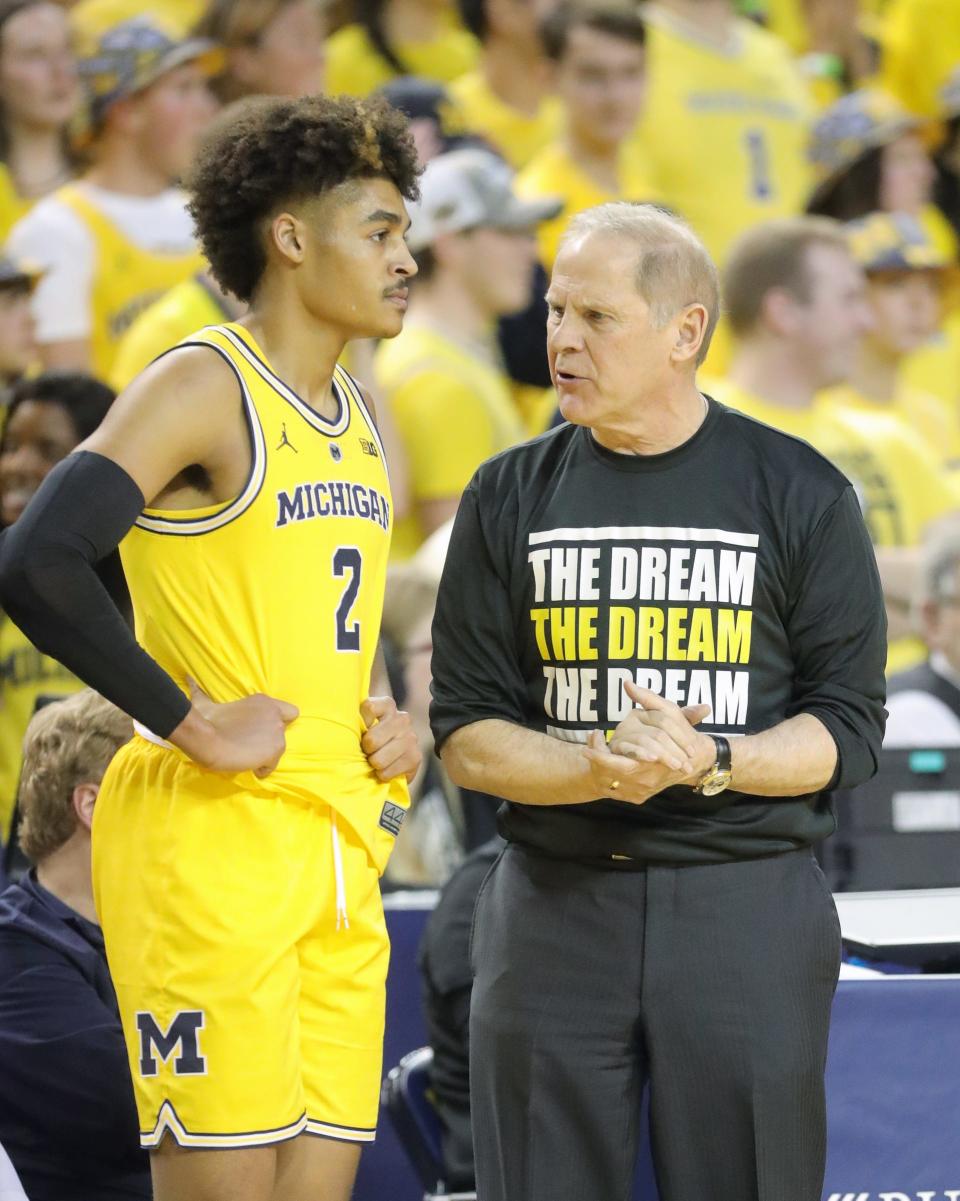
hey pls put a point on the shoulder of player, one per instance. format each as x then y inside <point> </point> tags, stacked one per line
<point>191,383</point>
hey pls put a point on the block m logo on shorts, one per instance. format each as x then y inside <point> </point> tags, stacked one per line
<point>183,1032</point>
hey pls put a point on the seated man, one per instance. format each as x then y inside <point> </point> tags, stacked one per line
<point>923,704</point>
<point>444,962</point>
<point>67,1115</point>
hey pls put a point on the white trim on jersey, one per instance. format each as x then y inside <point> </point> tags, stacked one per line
<point>169,523</point>
<point>321,424</point>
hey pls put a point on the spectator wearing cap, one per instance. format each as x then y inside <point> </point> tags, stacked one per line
<point>598,58</point>
<point>271,47</point>
<point>869,155</point>
<point>909,286</point>
<point>18,344</point>
<point>39,95</point>
<point>121,236</point>
<point>48,415</point>
<point>67,1114</point>
<point>508,98</point>
<point>389,38</point>
<point>444,380</point>
<point>798,309</point>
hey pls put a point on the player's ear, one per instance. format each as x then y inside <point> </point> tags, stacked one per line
<point>287,236</point>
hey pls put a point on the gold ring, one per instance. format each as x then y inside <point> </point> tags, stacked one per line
<point>614,785</point>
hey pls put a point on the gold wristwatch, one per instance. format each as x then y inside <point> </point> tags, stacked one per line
<point>718,777</point>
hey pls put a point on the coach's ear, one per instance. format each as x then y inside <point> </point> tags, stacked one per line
<point>287,236</point>
<point>83,800</point>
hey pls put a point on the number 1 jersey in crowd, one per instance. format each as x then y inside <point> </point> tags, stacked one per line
<point>280,590</point>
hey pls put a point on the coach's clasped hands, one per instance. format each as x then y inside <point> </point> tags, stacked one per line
<point>390,742</point>
<point>654,747</point>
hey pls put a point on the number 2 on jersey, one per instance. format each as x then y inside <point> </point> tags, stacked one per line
<point>347,561</point>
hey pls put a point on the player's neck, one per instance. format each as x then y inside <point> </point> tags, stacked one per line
<point>446,306</point>
<point>300,350</point>
<point>66,873</point>
<point>875,374</point>
<point>773,373</point>
<point>120,168</point>
<point>516,73</point>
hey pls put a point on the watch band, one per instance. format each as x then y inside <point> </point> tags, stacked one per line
<point>724,759</point>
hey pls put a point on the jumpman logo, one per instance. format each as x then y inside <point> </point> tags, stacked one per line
<point>285,441</point>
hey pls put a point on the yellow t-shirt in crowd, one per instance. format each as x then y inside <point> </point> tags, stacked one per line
<point>452,410</point>
<point>900,485</point>
<point>127,279</point>
<point>13,206</point>
<point>935,367</point>
<point>725,130</point>
<point>25,675</point>
<point>516,135</point>
<point>927,415</point>
<point>356,68</point>
<point>920,42</point>
<point>188,306</point>
<point>554,173</point>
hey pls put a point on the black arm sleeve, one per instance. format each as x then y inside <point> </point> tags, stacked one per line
<point>837,629</point>
<point>50,588</point>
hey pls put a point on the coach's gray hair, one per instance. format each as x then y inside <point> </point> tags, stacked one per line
<point>674,268</point>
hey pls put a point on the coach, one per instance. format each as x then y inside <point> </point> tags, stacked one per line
<point>660,637</point>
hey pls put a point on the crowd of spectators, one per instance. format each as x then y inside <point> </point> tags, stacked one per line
<point>814,146</point>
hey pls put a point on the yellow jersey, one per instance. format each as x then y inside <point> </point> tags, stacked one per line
<point>452,410</point>
<point>281,589</point>
<point>516,135</point>
<point>898,482</point>
<point>554,173</point>
<point>13,206</point>
<point>188,306</point>
<point>126,281</point>
<point>920,41</point>
<point>356,68</point>
<point>927,415</point>
<point>726,129</point>
<point>25,675</point>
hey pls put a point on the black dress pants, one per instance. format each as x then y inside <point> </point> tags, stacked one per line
<point>711,983</point>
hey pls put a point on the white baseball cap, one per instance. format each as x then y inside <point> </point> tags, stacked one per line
<point>469,188</point>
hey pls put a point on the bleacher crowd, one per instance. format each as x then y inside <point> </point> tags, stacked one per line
<point>813,145</point>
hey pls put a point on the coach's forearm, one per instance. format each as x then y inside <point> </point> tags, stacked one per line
<point>794,758</point>
<point>517,764</point>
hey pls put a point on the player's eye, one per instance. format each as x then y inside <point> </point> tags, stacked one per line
<point>380,235</point>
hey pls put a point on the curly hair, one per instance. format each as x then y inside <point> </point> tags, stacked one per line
<point>266,153</point>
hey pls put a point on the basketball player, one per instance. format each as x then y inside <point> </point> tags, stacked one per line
<point>240,836</point>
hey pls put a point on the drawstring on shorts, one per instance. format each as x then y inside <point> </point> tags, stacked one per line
<point>338,875</point>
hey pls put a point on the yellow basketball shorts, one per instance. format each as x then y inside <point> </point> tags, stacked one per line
<point>247,945</point>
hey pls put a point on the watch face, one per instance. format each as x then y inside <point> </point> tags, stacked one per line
<point>716,783</point>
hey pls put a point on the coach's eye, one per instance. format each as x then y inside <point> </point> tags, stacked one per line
<point>556,311</point>
<point>593,315</point>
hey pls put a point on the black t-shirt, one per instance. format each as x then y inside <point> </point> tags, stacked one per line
<point>734,570</point>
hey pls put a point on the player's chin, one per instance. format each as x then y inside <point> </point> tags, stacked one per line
<point>390,324</point>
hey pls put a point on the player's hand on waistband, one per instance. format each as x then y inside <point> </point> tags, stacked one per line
<point>244,735</point>
<point>390,742</point>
